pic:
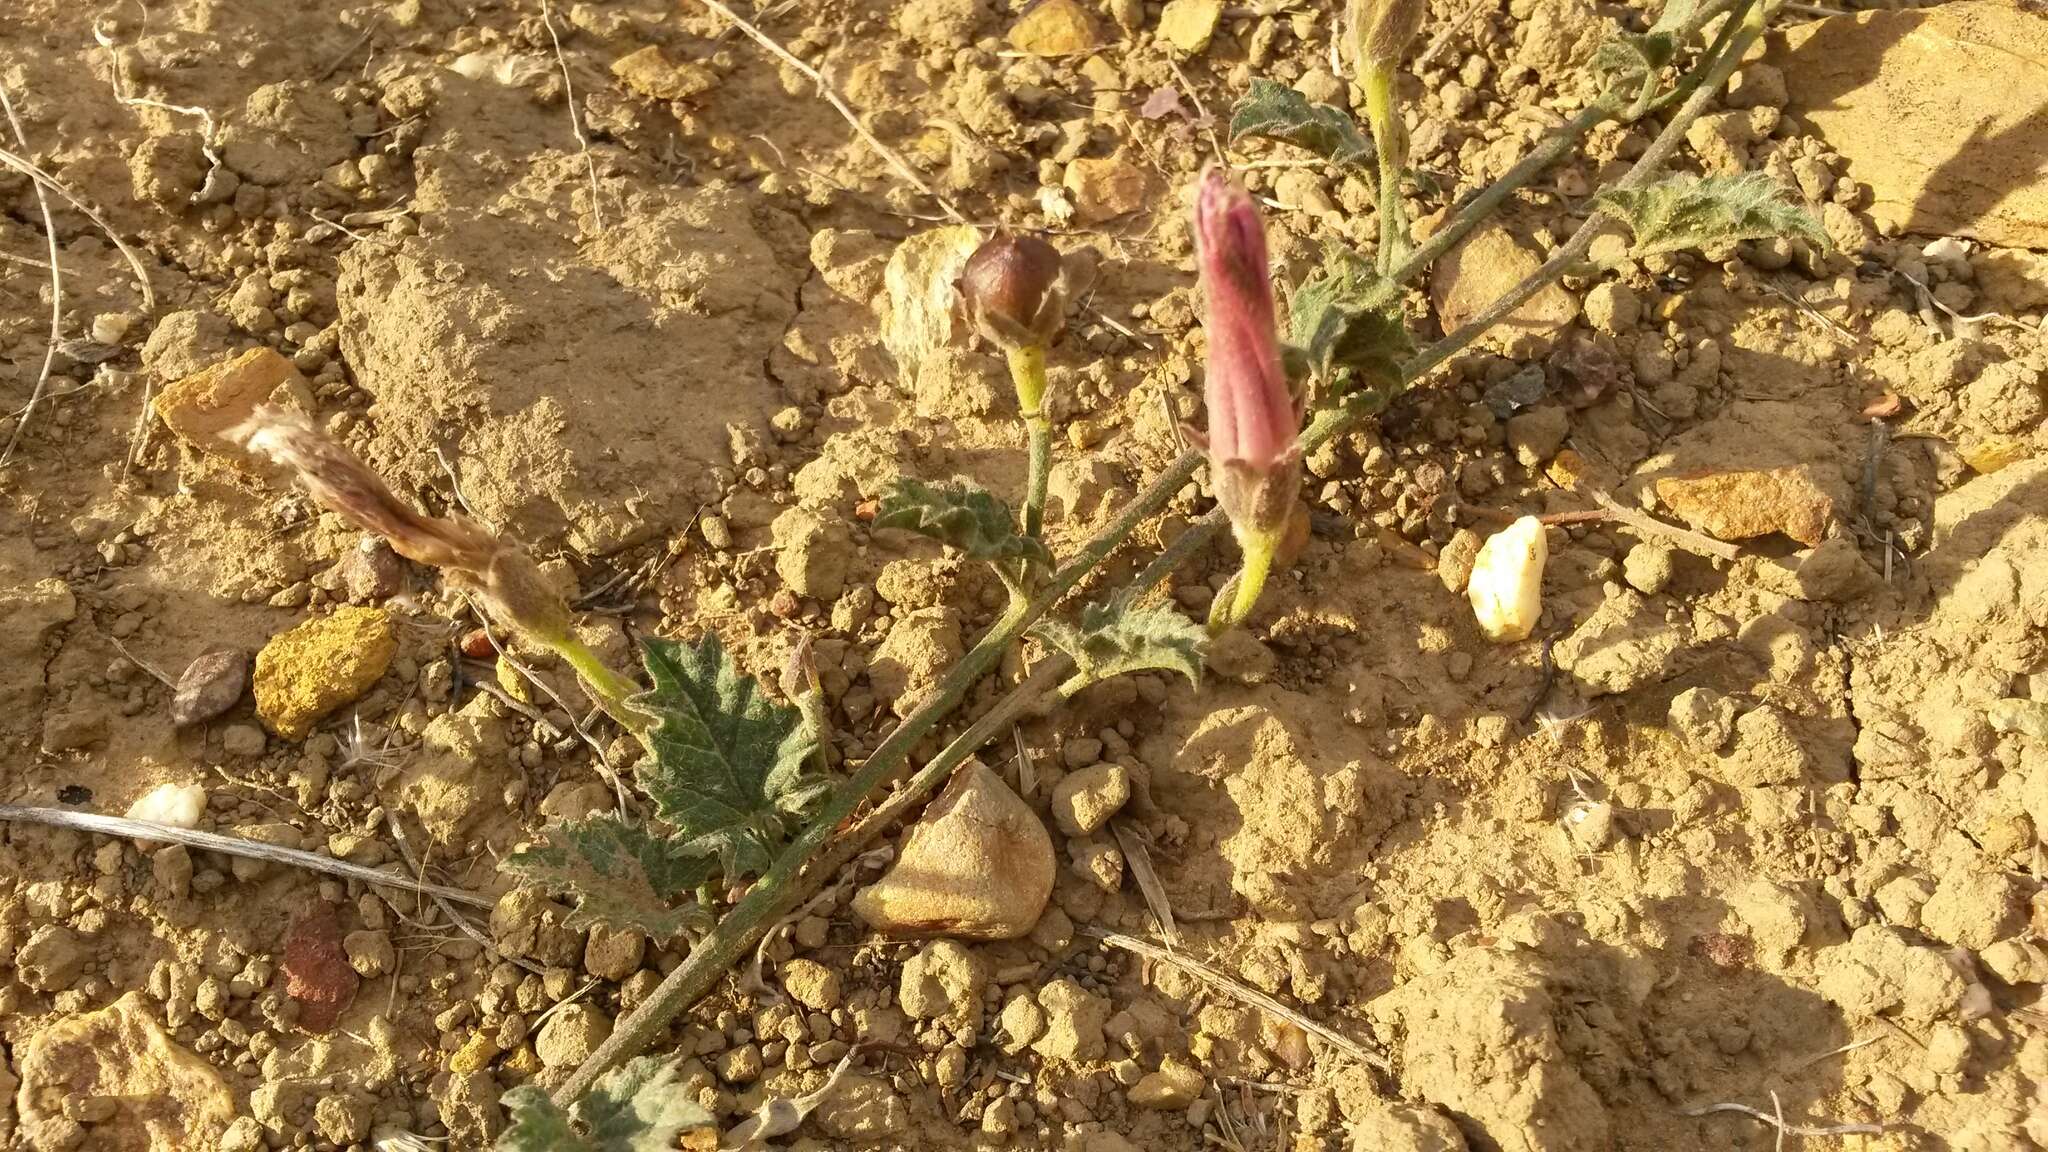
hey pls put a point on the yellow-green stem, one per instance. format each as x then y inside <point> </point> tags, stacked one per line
<point>1258,548</point>
<point>613,690</point>
<point>1027,374</point>
<point>1390,143</point>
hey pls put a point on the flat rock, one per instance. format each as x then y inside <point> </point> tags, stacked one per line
<point>209,686</point>
<point>978,864</point>
<point>1107,187</point>
<point>166,1098</point>
<point>201,406</point>
<point>1742,505</point>
<point>1480,269</point>
<point>1055,28</point>
<point>1189,24</point>
<point>1937,110</point>
<point>652,74</point>
<point>309,671</point>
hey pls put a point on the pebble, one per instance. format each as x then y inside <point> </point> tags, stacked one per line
<point>573,1032</point>
<point>210,685</point>
<point>201,406</point>
<point>1189,24</point>
<point>1742,505</point>
<point>1084,800</point>
<point>651,73</point>
<point>1175,1086</point>
<point>1073,1022</point>
<point>812,984</point>
<point>1055,28</point>
<point>944,981</point>
<point>977,864</point>
<point>1702,719</point>
<point>1105,188</point>
<point>306,673</point>
<point>1648,567</point>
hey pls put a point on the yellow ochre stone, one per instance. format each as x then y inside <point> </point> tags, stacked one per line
<point>475,1055</point>
<point>202,406</point>
<point>166,1098</point>
<point>307,672</point>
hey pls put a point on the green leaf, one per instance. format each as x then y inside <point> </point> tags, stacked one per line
<point>1627,58</point>
<point>621,874</point>
<point>1114,639</point>
<point>1353,344</point>
<point>639,1107</point>
<point>731,767</point>
<point>1278,112</point>
<point>1684,212</point>
<point>960,514</point>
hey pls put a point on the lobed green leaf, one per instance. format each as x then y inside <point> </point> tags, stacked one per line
<point>731,767</point>
<point>1352,343</point>
<point>1114,639</point>
<point>961,515</point>
<point>621,874</point>
<point>637,1107</point>
<point>1277,112</point>
<point>1686,212</point>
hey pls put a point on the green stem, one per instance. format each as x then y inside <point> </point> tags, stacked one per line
<point>1258,552</point>
<point>1390,144</point>
<point>612,689</point>
<point>1039,430</point>
<point>780,890</point>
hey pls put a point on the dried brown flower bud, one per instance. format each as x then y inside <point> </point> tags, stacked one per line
<point>1382,30</point>
<point>1011,291</point>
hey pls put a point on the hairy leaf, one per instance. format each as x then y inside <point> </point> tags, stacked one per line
<point>1625,59</point>
<point>621,874</point>
<point>638,1107</point>
<point>968,518</point>
<point>1114,639</point>
<point>730,766</point>
<point>1684,212</point>
<point>1352,343</point>
<point>1278,112</point>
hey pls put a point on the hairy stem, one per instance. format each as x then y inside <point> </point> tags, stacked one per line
<point>1242,594</point>
<point>787,882</point>
<point>1389,140</point>
<point>612,689</point>
<point>1039,430</point>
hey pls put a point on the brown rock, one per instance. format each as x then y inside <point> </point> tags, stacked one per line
<point>165,1098</point>
<point>652,74</point>
<point>977,864</point>
<point>207,403</point>
<point>317,972</point>
<point>1107,188</point>
<point>209,686</point>
<point>1055,28</point>
<point>1747,504</point>
<point>1481,269</point>
<point>1189,24</point>
<point>1937,110</point>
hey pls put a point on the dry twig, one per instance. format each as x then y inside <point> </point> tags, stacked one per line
<point>232,846</point>
<point>447,908</point>
<point>1234,987</point>
<point>840,105</point>
<point>1643,522</point>
<point>1784,1128</point>
<point>547,17</point>
<point>209,134</point>
<point>35,395</point>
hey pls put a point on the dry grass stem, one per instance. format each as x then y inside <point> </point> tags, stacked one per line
<point>839,105</point>
<point>447,907</point>
<point>1686,538</point>
<point>30,169</point>
<point>1778,1121</point>
<point>547,17</point>
<point>209,134</point>
<point>1238,989</point>
<point>233,846</point>
<point>1139,859</point>
<point>35,396</point>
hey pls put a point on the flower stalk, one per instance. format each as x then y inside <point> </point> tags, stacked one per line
<point>1381,31</point>
<point>1011,292</point>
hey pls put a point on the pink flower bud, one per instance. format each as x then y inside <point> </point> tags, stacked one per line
<point>1254,421</point>
<point>1011,291</point>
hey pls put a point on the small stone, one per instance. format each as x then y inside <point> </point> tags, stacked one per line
<point>573,1033</point>
<point>1835,572</point>
<point>1084,800</point>
<point>1536,435</point>
<point>179,805</point>
<point>915,653</point>
<point>1454,563</point>
<point>977,864</point>
<point>1975,910</point>
<point>52,959</point>
<point>1073,1022</point>
<point>1189,24</point>
<point>1023,1022</point>
<point>1099,862</point>
<point>370,953</point>
<point>944,981</point>
<point>1767,750</point>
<point>741,1065</point>
<point>316,968</point>
<point>200,407</point>
<point>1702,719</point>
<point>1743,505</point>
<point>171,868</point>
<point>652,74</point>
<point>812,553</point>
<point>242,741</point>
<point>1648,567</point>
<point>1173,1087</point>
<point>368,573</point>
<point>343,1118</point>
<point>1054,28</point>
<point>209,686</point>
<point>1482,268</point>
<point>811,984</point>
<point>613,953</point>
<point>476,1053</point>
<point>1107,187</point>
<point>1612,307</point>
<point>1239,656</point>
<point>309,671</point>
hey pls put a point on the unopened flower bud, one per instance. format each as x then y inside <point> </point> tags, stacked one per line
<point>1011,291</point>
<point>1254,420</point>
<point>1382,30</point>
